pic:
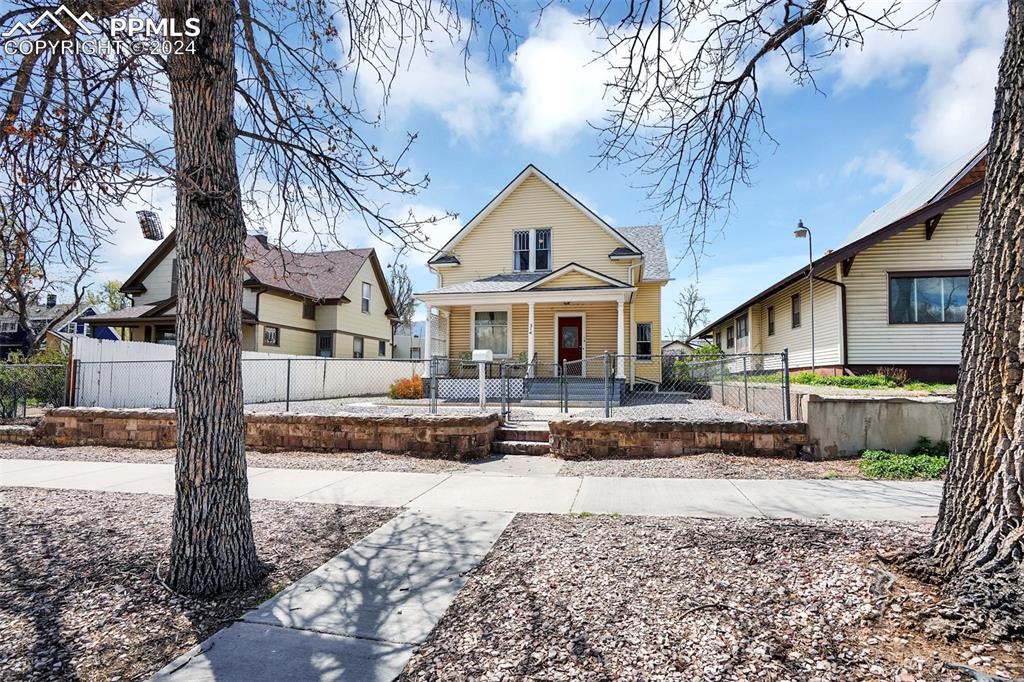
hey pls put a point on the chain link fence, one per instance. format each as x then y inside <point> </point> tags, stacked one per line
<point>26,390</point>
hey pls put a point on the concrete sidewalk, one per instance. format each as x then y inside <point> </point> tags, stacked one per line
<point>360,615</point>
<point>524,484</point>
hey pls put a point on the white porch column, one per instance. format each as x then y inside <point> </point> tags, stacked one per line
<point>426,344</point>
<point>530,346</point>
<point>620,342</point>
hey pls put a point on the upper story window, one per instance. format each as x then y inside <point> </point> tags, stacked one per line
<point>308,310</point>
<point>794,303</point>
<point>928,298</point>
<point>365,303</point>
<point>771,320</point>
<point>730,337</point>
<point>531,250</point>
<point>174,277</point>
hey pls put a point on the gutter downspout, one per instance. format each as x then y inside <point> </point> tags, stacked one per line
<point>842,289</point>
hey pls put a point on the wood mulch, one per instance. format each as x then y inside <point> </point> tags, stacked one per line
<point>80,596</point>
<point>631,598</point>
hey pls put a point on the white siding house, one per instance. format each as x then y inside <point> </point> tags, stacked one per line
<point>893,294</point>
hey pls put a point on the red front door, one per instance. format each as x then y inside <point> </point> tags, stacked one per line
<point>570,343</point>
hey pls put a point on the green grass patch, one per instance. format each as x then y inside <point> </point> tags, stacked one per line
<point>926,460</point>
<point>861,381</point>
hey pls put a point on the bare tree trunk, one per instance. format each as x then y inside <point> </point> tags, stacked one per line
<point>978,544</point>
<point>212,546</point>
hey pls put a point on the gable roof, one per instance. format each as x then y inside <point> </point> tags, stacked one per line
<point>530,171</point>
<point>525,281</point>
<point>318,275</point>
<point>651,241</point>
<point>572,267</point>
<point>957,182</point>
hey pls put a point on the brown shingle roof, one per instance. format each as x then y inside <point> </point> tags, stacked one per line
<point>322,275</point>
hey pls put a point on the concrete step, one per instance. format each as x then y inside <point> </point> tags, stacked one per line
<point>520,447</point>
<point>532,435</point>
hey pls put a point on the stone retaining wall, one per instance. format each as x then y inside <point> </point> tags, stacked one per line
<point>443,437</point>
<point>622,439</point>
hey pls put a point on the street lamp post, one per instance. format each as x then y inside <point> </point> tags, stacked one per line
<point>802,231</point>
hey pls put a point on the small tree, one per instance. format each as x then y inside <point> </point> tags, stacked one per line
<point>401,289</point>
<point>108,296</point>
<point>693,308</point>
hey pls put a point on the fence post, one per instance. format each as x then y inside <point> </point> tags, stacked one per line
<point>432,368</point>
<point>721,379</point>
<point>77,379</point>
<point>607,393</point>
<point>288,387</point>
<point>787,408</point>
<point>170,389</point>
<point>746,391</point>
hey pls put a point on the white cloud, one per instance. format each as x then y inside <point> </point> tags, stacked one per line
<point>894,175</point>
<point>560,86</point>
<point>957,51</point>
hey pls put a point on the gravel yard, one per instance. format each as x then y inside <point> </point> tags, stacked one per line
<point>344,461</point>
<point>714,465</point>
<point>599,598</point>
<point>80,598</point>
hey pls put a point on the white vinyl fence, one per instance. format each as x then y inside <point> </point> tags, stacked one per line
<point>125,374</point>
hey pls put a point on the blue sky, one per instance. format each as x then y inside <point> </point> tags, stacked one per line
<point>897,109</point>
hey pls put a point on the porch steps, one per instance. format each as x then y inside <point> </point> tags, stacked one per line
<point>522,438</point>
<point>578,390</point>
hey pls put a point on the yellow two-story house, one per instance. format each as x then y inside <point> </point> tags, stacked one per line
<point>536,277</point>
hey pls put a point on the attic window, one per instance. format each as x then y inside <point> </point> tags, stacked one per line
<point>365,302</point>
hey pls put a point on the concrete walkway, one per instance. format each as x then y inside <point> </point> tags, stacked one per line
<point>520,484</point>
<point>360,615</point>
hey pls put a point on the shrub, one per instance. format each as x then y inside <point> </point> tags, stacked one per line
<point>407,389</point>
<point>926,447</point>
<point>896,375</point>
<point>894,465</point>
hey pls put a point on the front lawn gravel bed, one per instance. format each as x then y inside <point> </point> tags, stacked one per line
<point>344,461</point>
<point>638,599</point>
<point>714,465</point>
<point>80,598</point>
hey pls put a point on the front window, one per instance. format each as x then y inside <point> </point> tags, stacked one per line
<point>357,346</point>
<point>643,341</point>
<point>542,250</point>
<point>795,305</point>
<point>166,336</point>
<point>271,336</point>
<point>490,331</point>
<point>730,337</point>
<point>521,251</point>
<point>366,297</point>
<point>928,299</point>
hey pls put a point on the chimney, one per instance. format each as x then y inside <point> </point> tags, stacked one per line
<point>261,235</point>
<point>51,300</point>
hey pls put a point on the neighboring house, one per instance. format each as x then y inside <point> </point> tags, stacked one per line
<point>50,315</point>
<point>537,276</point>
<point>676,347</point>
<point>331,303</point>
<point>894,293</point>
<point>409,341</point>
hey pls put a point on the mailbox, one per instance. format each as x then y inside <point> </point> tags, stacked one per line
<point>483,356</point>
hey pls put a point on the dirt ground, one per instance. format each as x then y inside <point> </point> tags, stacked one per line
<point>602,598</point>
<point>80,597</point>
<point>708,465</point>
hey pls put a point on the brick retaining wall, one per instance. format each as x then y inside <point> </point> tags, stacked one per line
<point>443,437</point>
<point>622,439</point>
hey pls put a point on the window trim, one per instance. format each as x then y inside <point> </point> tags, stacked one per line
<point>531,249</point>
<point>277,336</point>
<point>649,357</point>
<point>364,297</point>
<point>796,322</point>
<point>473,310</point>
<point>905,274</point>
<point>771,320</point>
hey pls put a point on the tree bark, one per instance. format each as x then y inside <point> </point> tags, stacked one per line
<point>212,546</point>
<point>978,543</point>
